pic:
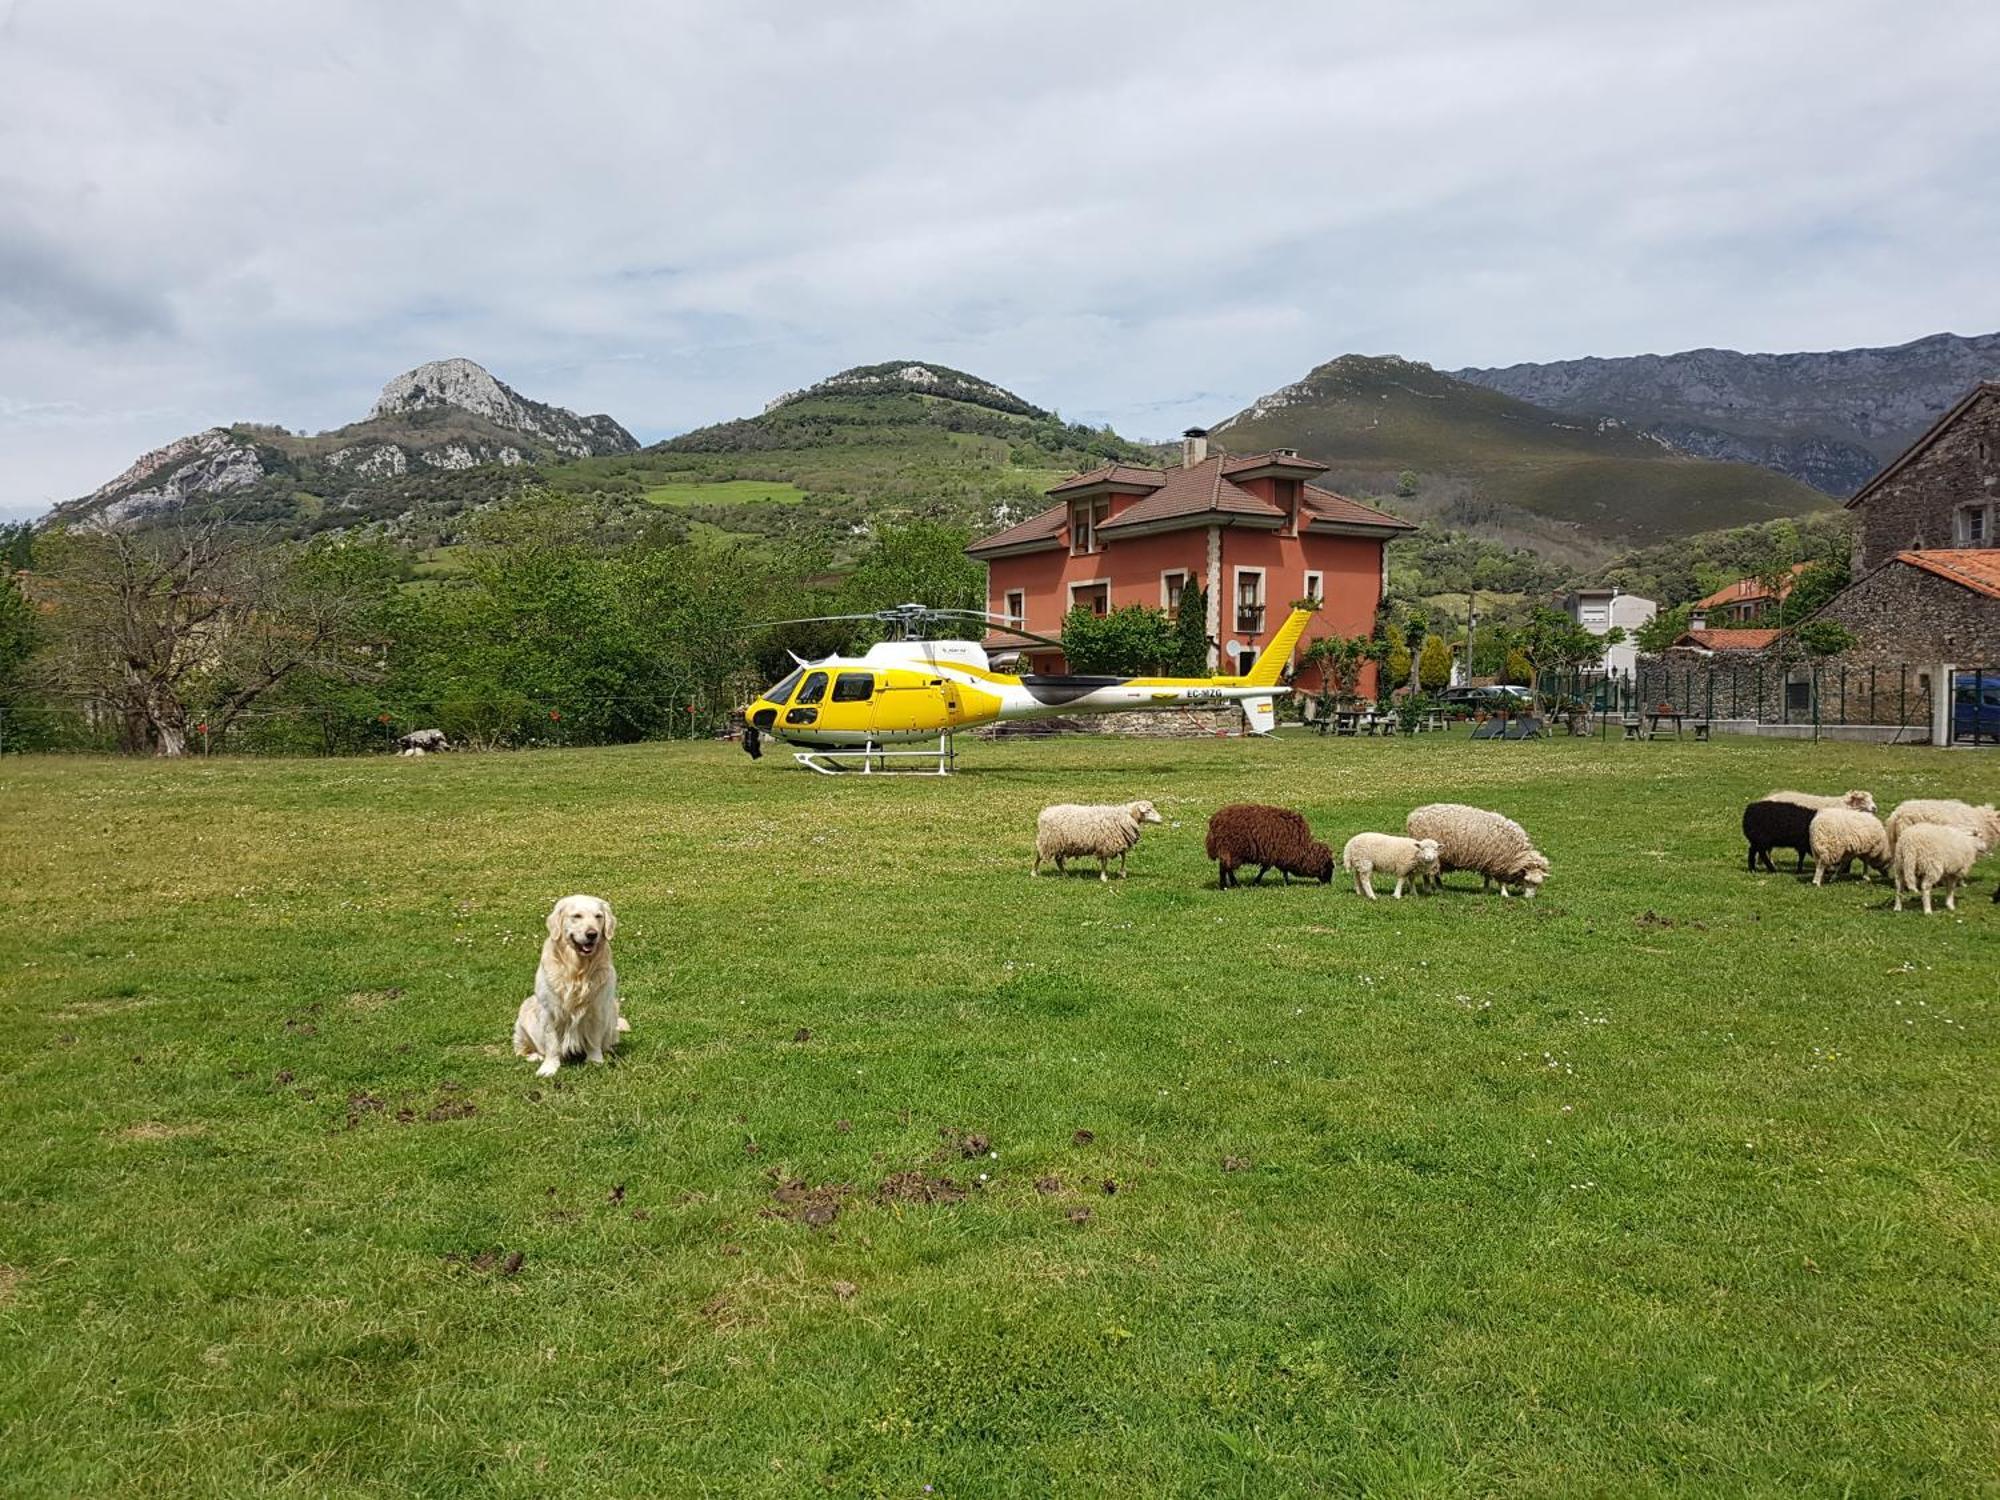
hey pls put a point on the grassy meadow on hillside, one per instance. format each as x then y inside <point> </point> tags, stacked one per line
<point>918,1175</point>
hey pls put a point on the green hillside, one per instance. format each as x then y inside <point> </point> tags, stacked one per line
<point>1489,463</point>
<point>856,450</point>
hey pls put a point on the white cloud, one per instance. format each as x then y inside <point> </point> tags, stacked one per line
<point>1141,213</point>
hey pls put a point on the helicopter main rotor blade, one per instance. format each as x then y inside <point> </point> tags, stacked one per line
<point>1000,621</point>
<point>812,620</point>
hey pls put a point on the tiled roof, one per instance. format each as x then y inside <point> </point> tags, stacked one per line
<point>1975,568</point>
<point>1200,490</point>
<point>1236,463</point>
<point>1745,589</point>
<point>1727,640</point>
<point>1325,505</point>
<point>1112,474</point>
<point>1046,527</point>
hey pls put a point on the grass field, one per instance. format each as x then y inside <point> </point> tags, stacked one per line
<point>724,492</point>
<point>1678,1181</point>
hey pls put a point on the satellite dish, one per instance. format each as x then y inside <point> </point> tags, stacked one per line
<point>1234,649</point>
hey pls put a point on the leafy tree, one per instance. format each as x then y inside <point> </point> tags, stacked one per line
<point>1518,669</point>
<point>1191,632</point>
<point>1406,483</point>
<point>1434,664</point>
<point>1339,659</point>
<point>922,562</point>
<point>193,622</point>
<point>1666,627</point>
<point>1395,654</point>
<point>1134,640</point>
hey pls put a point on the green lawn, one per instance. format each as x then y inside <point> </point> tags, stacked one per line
<point>1678,1181</point>
<point>724,492</point>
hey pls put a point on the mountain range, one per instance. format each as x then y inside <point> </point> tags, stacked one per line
<point>1576,461</point>
<point>1828,419</point>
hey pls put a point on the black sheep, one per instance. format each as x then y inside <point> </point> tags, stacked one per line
<point>1271,838</point>
<point>1777,825</point>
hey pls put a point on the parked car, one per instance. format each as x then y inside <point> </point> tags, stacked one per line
<point>1975,709</point>
<point>1493,698</point>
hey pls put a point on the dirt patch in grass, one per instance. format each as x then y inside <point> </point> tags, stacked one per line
<point>916,1186</point>
<point>411,1110</point>
<point>505,1263</point>
<point>155,1130</point>
<point>367,1000</point>
<point>11,1278</point>
<point>814,1207</point>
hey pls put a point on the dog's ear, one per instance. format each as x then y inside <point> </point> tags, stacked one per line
<point>610,921</point>
<point>556,917</point>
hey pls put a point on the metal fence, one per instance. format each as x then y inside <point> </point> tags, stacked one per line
<point>1809,695</point>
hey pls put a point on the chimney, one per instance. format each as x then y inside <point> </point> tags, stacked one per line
<point>1698,618</point>
<point>1194,446</point>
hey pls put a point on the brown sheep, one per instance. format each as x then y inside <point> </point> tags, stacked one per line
<point>1271,838</point>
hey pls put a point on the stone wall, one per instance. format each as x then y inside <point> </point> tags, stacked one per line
<point>1916,509</point>
<point>1758,687</point>
<point>1906,613</point>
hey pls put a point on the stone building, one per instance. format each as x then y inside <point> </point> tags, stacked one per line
<point>1943,493</point>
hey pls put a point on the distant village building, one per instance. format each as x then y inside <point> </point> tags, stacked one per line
<point>1602,610</point>
<point>1747,598</point>
<point>1249,529</point>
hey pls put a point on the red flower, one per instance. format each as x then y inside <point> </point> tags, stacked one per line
<point>381,718</point>
<point>554,714</point>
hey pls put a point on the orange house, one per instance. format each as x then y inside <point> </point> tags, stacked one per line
<point>1249,529</point>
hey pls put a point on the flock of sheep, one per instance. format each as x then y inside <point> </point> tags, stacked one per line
<point>1926,843</point>
<point>1438,837</point>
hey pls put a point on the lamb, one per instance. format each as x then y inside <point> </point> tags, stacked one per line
<point>1859,801</point>
<point>1931,854</point>
<point>1769,825</point>
<point>1366,853</point>
<point>1841,835</point>
<point>1471,838</point>
<point>1982,822</point>
<point>1072,830</point>
<point>1271,838</point>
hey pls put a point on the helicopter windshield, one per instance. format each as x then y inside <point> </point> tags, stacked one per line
<point>783,690</point>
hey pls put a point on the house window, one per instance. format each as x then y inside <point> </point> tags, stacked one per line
<point>1250,601</point>
<point>1975,526</point>
<point>1173,584</point>
<point>1084,519</point>
<point>1095,597</point>
<point>1316,586</point>
<point>1016,612</point>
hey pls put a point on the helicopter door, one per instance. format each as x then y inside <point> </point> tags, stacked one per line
<point>805,707</point>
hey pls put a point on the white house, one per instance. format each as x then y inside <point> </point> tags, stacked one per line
<point>1601,610</point>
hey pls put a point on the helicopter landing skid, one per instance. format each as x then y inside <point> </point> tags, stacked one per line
<point>938,760</point>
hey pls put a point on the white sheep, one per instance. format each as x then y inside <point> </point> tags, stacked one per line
<point>1842,834</point>
<point>1982,822</point>
<point>1932,854</point>
<point>1072,830</point>
<point>1366,853</point>
<point>1859,801</point>
<point>1471,838</point>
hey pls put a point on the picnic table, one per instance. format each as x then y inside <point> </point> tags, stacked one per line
<point>1656,717</point>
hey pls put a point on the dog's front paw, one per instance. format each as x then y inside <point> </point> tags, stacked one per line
<point>548,1067</point>
<point>595,1057</point>
<point>623,1024</point>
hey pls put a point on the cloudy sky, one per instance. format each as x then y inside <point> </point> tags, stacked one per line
<point>1143,213</point>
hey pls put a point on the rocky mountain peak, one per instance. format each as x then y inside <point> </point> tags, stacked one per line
<point>460,384</point>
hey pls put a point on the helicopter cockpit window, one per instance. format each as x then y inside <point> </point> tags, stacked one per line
<point>783,690</point>
<point>815,688</point>
<point>853,687</point>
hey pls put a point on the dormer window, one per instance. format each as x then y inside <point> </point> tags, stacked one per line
<point>1084,518</point>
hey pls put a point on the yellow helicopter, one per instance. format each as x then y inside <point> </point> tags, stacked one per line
<point>907,689</point>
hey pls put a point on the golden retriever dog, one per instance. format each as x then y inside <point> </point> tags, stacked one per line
<point>574,1009</point>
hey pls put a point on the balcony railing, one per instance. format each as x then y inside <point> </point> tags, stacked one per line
<point>1249,619</point>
